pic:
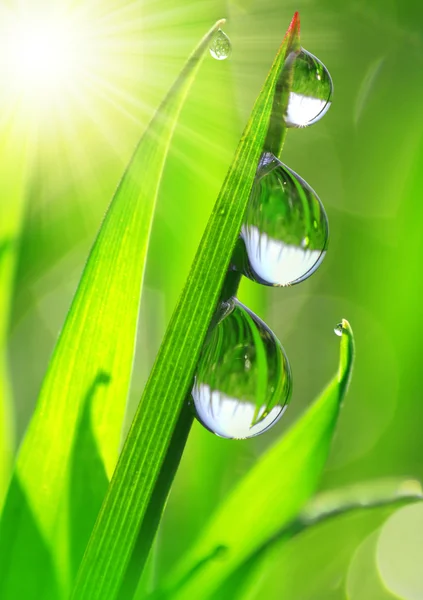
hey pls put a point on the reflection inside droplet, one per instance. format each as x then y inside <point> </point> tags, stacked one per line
<point>285,231</point>
<point>220,47</point>
<point>311,91</point>
<point>338,329</point>
<point>228,417</point>
<point>243,379</point>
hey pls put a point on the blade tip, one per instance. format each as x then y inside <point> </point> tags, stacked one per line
<point>295,23</point>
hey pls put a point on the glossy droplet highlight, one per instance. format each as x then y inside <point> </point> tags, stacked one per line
<point>338,329</point>
<point>311,91</point>
<point>220,47</point>
<point>285,231</point>
<point>243,380</point>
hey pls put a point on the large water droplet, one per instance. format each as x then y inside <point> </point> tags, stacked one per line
<point>311,91</point>
<point>285,230</point>
<point>243,380</point>
<point>220,47</point>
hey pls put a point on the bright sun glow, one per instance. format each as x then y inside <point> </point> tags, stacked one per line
<point>75,72</point>
<point>43,57</point>
<point>42,53</point>
<point>72,76</point>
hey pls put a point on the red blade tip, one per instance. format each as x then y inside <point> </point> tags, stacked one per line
<point>295,23</point>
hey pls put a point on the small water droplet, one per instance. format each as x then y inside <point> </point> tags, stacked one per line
<point>243,380</point>
<point>285,230</point>
<point>311,91</point>
<point>220,47</point>
<point>338,329</point>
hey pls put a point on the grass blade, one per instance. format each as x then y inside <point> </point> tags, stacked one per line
<point>154,512</point>
<point>14,160</point>
<point>97,341</point>
<point>357,498</point>
<point>144,453</point>
<point>88,479</point>
<point>6,428</point>
<point>371,494</point>
<point>272,494</point>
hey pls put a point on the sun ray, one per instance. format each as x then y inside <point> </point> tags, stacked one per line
<point>88,75</point>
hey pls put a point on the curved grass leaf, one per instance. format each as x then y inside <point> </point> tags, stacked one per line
<point>97,340</point>
<point>370,494</point>
<point>389,493</point>
<point>272,494</point>
<point>88,479</point>
<point>144,454</point>
<point>6,443</point>
<point>14,161</point>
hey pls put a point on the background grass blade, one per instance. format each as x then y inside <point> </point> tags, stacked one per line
<point>272,493</point>
<point>146,535</point>
<point>138,470</point>
<point>14,161</point>
<point>88,479</point>
<point>97,341</point>
<point>358,498</point>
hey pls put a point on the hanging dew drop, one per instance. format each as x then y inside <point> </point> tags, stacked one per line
<point>220,47</point>
<point>339,329</point>
<point>243,380</point>
<point>311,91</point>
<point>285,232</point>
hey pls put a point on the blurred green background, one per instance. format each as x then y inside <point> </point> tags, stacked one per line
<point>61,157</point>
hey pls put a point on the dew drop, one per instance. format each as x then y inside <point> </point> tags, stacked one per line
<point>220,47</point>
<point>311,92</point>
<point>243,380</point>
<point>285,231</point>
<point>338,329</point>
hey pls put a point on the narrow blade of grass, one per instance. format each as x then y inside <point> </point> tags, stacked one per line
<point>133,484</point>
<point>88,479</point>
<point>272,494</point>
<point>6,426</point>
<point>14,160</point>
<point>97,341</point>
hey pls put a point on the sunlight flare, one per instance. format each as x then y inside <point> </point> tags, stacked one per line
<point>44,58</point>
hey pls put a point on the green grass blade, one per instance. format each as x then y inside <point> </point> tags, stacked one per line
<point>370,494</point>
<point>154,512</point>
<point>97,341</point>
<point>144,453</point>
<point>272,494</point>
<point>88,479</point>
<point>357,498</point>
<point>14,160</point>
<point>6,428</point>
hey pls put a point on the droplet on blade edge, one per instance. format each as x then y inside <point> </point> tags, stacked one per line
<point>311,91</point>
<point>339,329</point>
<point>285,232</point>
<point>243,380</point>
<point>220,47</point>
